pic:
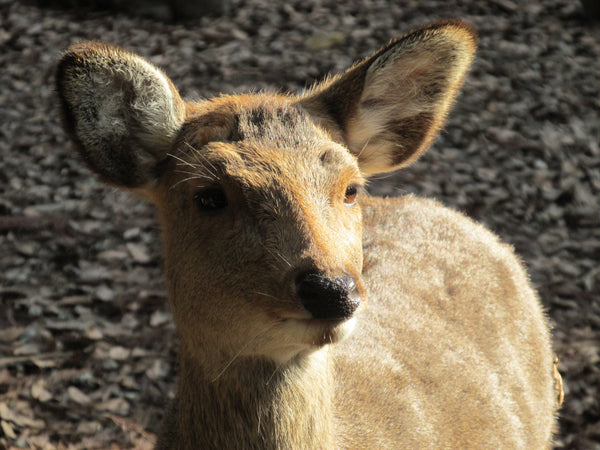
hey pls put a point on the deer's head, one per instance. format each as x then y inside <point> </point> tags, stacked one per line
<point>259,195</point>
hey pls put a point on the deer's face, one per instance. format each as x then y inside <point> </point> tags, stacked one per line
<point>256,194</point>
<point>260,212</point>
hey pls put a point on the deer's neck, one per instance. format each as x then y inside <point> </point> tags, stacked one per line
<point>253,402</point>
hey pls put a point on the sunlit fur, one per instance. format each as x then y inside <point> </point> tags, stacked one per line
<point>449,347</point>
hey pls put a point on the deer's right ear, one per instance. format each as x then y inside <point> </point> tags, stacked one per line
<point>122,112</point>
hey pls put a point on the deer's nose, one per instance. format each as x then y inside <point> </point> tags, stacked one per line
<point>328,298</point>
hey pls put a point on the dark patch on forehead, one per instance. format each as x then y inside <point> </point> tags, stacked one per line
<point>257,116</point>
<point>264,124</point>
<point>260,116</point>
<point>284,124</point>
<point>327,157</point>
<point>333,157</point>
<point>289,116</point>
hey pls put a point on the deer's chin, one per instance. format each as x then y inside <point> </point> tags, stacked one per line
<point>315,333</point>
<point>295,337</point>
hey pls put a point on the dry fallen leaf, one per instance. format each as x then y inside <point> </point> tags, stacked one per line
<point>8,430</point>
<point>119,353</point>
<point>77,396</point>
<point>117,406</point>
<point>10,334</point>
<point>18,418</point>
<point>39,391</point>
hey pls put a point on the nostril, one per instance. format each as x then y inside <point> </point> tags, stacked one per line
<point>328,298</point>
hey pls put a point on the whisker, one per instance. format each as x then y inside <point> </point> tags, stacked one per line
<point>363,148</point>
<point>200,155</point>
<point>277,368</point>
<point>280,256</point>
<point>236,356</point>
<point>196,177</point>
<point>191,147</point>
<point>402,190</point>
<point>266,295</point>
<point>383,177</point>
<point>232,360</point>
<point>194,173</point>
<point>198,165</point>
<point>183,161</point>
<point>203,166</point>
<point>186,171</point>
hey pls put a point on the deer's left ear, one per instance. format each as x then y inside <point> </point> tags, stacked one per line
<point>388,108</point>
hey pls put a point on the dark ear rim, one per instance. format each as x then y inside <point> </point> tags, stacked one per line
<point>128,173</point>
<point>70,58</point>
<point>327,90</point>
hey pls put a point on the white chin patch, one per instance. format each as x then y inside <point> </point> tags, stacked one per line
<point>308,336</point>
<point>345,329</point>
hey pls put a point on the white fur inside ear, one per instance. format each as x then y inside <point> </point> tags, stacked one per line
<point>155,105</point>
<point>393,91</point>
<point>129,97</point>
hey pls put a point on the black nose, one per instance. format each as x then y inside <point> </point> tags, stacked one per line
<point>328,298</point>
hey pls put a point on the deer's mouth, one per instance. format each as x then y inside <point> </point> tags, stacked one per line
<point>319,332</point>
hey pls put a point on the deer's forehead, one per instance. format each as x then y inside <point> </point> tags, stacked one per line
<point>263,141</point>
<point>268,121</point>
<point>264,167</point>
<point>284,125</point>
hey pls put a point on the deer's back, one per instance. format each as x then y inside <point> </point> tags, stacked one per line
<point>452,348</point>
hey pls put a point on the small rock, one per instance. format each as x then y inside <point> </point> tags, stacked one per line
<point>94,333</point>
<point>119,353</point>
<point>27,349</point>
<point>158,370</point>
<point>105,293</point>
<point>110,255</point>
<point>88,428</point>
<point>139,252</point>
<point>159,318</point>
<point>11,334</point>
<point>115,405</point>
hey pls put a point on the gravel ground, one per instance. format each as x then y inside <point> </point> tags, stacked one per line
<point>86,342</point>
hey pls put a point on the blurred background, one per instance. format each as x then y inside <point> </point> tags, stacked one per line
<point>87,347</point>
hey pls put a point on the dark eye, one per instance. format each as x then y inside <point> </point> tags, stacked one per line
<point>211,199</point>
<point>350,195</point>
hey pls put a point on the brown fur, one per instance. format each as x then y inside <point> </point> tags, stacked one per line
<point>450,347</point>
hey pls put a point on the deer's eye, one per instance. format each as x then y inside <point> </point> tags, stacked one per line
<point>211,199</point>
<point>350,195</point>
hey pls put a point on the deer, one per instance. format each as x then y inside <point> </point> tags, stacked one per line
<point>309,314</point>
